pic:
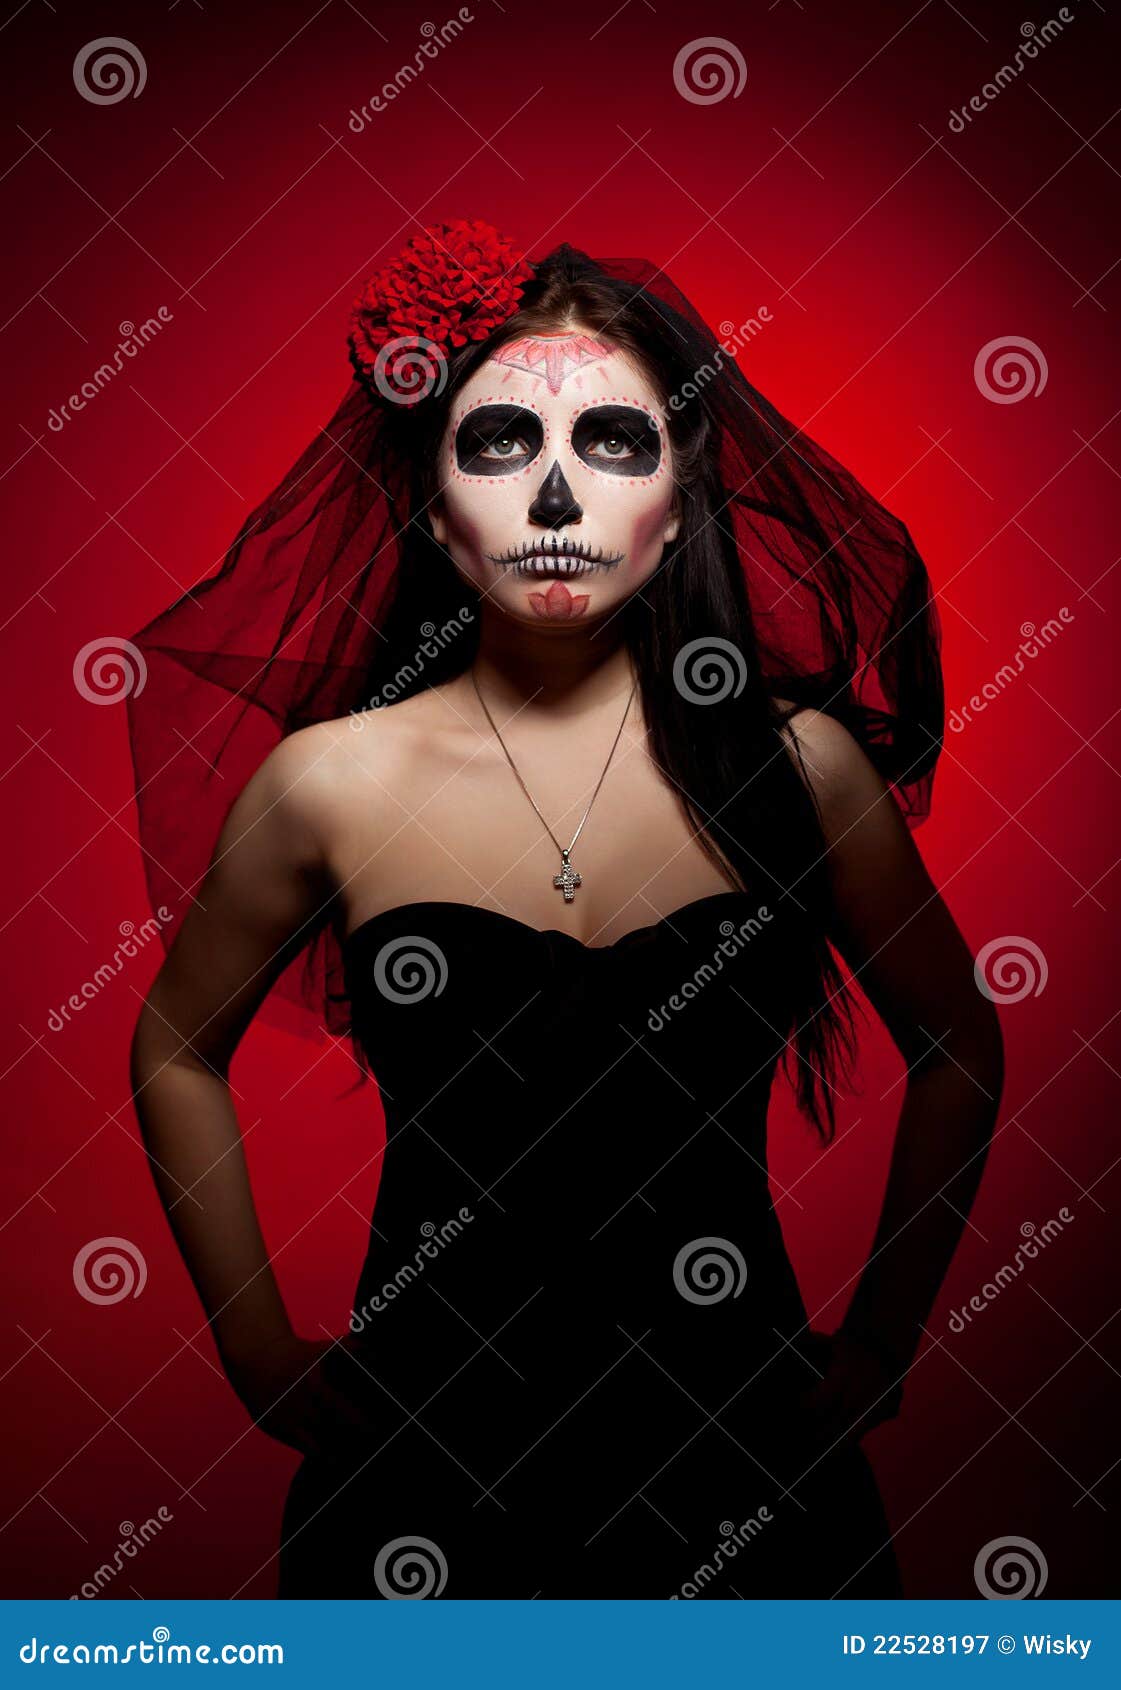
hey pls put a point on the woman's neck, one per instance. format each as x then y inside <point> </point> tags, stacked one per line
<point>526,669</point>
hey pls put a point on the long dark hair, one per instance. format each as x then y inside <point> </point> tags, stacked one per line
<point>732,771</point>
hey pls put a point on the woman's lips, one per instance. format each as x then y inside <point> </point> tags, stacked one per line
<point>558,604</point>
<point>544,567</point>
<point>554,559</point>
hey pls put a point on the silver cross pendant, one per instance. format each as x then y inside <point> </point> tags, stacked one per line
<point>567,880</point>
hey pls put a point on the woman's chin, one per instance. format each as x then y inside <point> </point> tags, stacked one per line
<point>554,604</point>
<point>558,602</point>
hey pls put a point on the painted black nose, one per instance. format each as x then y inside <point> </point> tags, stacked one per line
<point>555,505</point>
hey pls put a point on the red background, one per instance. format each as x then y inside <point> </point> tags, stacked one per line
<point>888,250</point>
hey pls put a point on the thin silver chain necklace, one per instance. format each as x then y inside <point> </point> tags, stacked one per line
<point>568,879</point>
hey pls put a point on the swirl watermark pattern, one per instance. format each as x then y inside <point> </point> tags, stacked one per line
<point>1009,369</point>
<point>709,670</point>
<point>708,1270</point>
<point>410,1569</point>
<point>107,1270</point>
<point>408,369</point>
<point>1010,969</point>
<point>1009,1569</point>
<point>109,70</point>
<point>410,969</point>
<point>108,669</point>
<point>708,70</point>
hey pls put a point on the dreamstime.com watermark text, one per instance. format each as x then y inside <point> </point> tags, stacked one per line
<point>432,643</point>
<point>1032,43</point>
<point>735,937</point>
<point>133,941</point>
<point>435,39</point>
<point>161,1651</point>
<point>435,1240</point>
<point>1035,1240</point>
<point>733,1538</point>
<point>134,337</point>
<point>732,340</point>
<point>132,1540</point>
<point>1033,641</point>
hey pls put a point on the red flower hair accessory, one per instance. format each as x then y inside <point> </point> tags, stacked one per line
<point>452,283</point>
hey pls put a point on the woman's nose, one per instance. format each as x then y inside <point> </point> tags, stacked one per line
<point>555,504</point>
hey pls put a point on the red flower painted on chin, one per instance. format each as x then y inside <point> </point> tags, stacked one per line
<point>558,604</point>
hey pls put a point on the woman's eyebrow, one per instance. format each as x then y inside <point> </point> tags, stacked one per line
<point>616,408</point>
<point>506,409</point>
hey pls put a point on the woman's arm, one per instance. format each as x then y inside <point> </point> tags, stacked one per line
<point>266,883</point>
<point>901,943</point>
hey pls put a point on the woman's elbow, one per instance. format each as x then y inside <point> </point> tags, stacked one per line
<point>158,1048</point>
<point>142,1054</point>
<point>976,1046</point>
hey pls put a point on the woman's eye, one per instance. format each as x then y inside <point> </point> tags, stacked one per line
<point>614,446</point>
<point>504,447</point>
<point>617,439</point>
<point>498,440</point>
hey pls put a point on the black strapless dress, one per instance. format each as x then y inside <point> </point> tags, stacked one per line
<point>578,1337</point>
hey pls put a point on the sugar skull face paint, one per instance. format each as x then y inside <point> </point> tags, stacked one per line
<point>556,497</point>
<point>555,357</point>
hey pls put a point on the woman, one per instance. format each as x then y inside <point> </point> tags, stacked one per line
<point>598,698</point>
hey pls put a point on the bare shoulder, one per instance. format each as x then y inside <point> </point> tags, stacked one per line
<point>370,759</point>
<point>411,739</point>
<point>302,768</point>
<point>286,802</point>
<point>835,767</point>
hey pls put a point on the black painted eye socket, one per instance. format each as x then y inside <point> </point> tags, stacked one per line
<point>619,439</point>
<point>498,439</point>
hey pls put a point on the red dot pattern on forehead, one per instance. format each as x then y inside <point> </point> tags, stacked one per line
<point>639,405</point>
